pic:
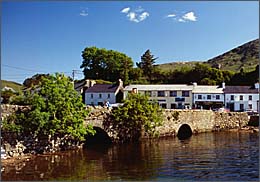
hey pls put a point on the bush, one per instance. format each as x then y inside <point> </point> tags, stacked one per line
<point>137,115</point>
<point>56,109</point>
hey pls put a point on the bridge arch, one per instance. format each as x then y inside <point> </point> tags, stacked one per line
<point>100,137</point>
<point>184,131</point>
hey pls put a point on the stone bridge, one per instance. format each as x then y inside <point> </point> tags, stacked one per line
<point>182,123</point>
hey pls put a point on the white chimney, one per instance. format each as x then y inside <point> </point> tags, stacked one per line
<point>120,83</point>
<point>223,85</point>
<point>92,83</point>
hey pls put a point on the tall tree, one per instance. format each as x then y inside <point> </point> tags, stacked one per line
<point>147,64</point>
<point>106,64</point>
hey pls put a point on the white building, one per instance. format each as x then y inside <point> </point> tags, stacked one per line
<point>168,96</point>
<point>99,94</point>
<point>242,98</point>
<point>208,96</point>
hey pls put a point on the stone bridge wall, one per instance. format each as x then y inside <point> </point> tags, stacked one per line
<point>198,120</point>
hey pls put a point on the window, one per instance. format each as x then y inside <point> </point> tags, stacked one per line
<point>232,97</point>
<point>164,106</point>
<point>91,95</point>
<point>208,97</point>
<point>179,99</point>
<point>100,95</point>
<point>173,93</point>
<point>241,106</point>
<point>199,96</point>
<point>108,95</point>
<point>173,106</point>
<point>185,94</point>
<point>250,97</point>
<point>161,93</point>
<point>249,106</point>
<point>217,97</point>
<point>148,93</point>
<point>241,97</point>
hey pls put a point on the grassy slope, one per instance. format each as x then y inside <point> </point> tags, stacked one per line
<point>246,56</point>
<point>14,85</point>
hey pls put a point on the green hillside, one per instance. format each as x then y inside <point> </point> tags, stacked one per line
<point>14,85</point>
<point>176,65</point>
<point>246,56</point>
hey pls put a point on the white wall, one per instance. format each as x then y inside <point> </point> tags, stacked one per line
<point>89,100</point>
<point>245,101</point>
<point>204,98</point>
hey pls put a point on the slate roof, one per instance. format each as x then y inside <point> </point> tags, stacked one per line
<point>240,89</point>
<point>160,87</point>
<point>107,88</point>
<point>207,89</point>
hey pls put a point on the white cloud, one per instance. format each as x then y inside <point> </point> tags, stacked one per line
<point>170,15</point>
<point>125,10</point>
<point>143,16</point>
<point>132,17</point>
<point>83,13</point>
<point>181,20</point>
<point>136,15</point>
<point>190,16</point>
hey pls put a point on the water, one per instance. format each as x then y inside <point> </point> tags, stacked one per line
<point>222,156</point>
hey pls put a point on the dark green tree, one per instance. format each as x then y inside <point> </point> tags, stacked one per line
<point>147,64</point>
<point>106,64</point>
<point>137,115</point>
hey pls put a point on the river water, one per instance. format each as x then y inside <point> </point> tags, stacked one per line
<point>220,156</point>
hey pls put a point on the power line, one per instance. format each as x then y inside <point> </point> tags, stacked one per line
<point>19,68</point>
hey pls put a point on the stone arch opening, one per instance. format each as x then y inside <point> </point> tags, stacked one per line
<point>184,132</point>
<point>101,137</point>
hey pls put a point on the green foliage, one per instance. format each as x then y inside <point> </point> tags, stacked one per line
<point>7,96</point>
<point>106,64</point>
<point>147,65</point>
<point>56,109</point>
<point>34,80</point>
<point>136,114</point>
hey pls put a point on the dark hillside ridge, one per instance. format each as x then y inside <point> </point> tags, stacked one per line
<point>245,56</point>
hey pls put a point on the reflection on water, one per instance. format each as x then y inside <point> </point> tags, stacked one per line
<point>209,156</point>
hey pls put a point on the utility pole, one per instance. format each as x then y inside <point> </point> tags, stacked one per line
<point>74,72</point>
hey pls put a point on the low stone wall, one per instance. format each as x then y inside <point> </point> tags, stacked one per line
<point>18,144</point>
<point>198,120</point>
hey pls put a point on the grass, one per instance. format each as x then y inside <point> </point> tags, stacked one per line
<point>14,85</point>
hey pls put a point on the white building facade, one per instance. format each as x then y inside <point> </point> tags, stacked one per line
<point>207,96</point>
<point>241,98</point>
<point>167,96</point>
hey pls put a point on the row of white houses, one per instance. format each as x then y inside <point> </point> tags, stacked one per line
<point>179,96</point>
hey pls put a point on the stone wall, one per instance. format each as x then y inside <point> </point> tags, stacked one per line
<point>17,144</point>
<point>201,121</point>
<point>198,120</point>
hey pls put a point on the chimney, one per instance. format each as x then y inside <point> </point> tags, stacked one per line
<point>194,84</point>
<point>92,83</point>
<point>120,83</point>
<point>223,85</point>
<point>256,85</point>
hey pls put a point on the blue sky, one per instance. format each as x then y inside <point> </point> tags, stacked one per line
<point>48,37</point>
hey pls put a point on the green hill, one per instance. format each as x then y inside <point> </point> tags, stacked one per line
<point>14,85</point>
<point>246,56</point>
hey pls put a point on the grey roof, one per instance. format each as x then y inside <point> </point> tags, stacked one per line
<point>240,89</point>
<point>207,89</point>
<point>160,87</point>
<point>102,88</point>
